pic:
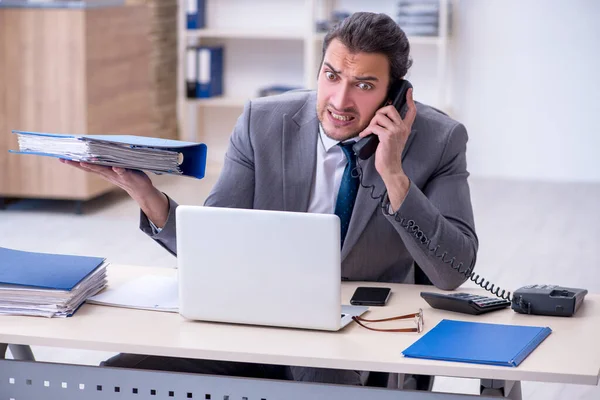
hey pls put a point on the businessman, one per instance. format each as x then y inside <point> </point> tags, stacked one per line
<point>293,152</point>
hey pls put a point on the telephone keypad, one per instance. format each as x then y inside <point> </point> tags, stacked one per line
<point>464,302</point>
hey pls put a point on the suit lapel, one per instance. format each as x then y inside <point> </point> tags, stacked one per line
<point>300,134</point>
<point>365,205</point>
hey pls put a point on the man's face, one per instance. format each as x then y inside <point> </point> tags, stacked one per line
<point>351,88</point>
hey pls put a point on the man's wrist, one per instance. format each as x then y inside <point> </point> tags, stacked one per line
<point>155,205</point>
<point>397,189</point>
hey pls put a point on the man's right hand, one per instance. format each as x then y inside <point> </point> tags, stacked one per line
<point>137,184</point>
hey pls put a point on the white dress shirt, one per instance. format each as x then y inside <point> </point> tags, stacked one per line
<point>331,163</point>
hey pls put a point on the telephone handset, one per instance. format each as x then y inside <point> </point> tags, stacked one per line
<point>366,146</point>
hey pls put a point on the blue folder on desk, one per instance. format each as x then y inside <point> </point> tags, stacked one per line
<point>128,151</point>
<point>479,343</point>
<point>45,270</point>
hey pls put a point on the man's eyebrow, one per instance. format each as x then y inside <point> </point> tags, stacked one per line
<point>366,78</point>
<point>358,78</point>
<point>331,67</point>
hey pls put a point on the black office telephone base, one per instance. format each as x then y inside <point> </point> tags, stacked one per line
<point>547,300</point>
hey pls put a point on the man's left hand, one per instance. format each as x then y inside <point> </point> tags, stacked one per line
<point>393,132</point>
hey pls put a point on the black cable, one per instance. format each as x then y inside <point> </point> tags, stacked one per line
<point>412,228</point>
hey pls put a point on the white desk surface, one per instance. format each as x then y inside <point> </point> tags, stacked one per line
<point>571,354</point>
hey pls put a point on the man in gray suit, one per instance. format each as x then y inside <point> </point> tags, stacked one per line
<point>293,152</point>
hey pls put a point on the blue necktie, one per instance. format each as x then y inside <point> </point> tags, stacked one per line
<point>348,190</point>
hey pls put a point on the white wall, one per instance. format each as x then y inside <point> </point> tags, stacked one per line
<point>525,82</point>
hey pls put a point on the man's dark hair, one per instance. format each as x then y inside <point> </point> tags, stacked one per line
<point>365,32</point>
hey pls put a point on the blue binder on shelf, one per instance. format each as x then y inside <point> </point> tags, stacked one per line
<point>45,270</point>
<point>210,71</point>
<point>195,14</point>
<point>128,151</point>
<point>191,71</point>
<point>479,343</point>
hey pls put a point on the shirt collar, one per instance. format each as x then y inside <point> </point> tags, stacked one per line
<point>328,143</point>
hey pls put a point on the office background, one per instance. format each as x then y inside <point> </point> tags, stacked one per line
<point>522,77</point>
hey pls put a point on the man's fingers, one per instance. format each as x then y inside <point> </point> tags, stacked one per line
<point>384,121</point>
<point>68,162</point>
<point>390,112</point>
<point>101,169</point>
<point>75,164</point>
<point>411,113</point>
<point>119,171</point>
<point>105,172</point>
<point>85,166</point>
<point>379,131</point>
<point>369,129</point>
<point>380,124</point>
<point>366,132</point>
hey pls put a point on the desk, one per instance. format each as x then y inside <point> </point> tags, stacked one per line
<point>569,355</point>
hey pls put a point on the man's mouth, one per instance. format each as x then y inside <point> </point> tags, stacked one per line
<point>343,118</point>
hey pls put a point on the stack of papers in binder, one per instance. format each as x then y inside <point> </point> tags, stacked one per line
<point>47,285</point>
<point>136,152</point>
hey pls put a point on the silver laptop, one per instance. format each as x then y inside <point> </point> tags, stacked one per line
<point>261,267</point>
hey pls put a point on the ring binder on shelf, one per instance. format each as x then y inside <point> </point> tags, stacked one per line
<point>195,14</point>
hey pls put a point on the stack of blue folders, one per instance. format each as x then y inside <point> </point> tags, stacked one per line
<point>47,285</point>
<point>127,151</point>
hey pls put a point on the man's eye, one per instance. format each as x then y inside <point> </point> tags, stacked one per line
<point>330,75</point>
<point>364,86</point>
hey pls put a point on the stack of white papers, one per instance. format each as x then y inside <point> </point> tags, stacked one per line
<point>26,300</point>
<point>156,293</point>
<point>47,285</point>
<point>102,152</point>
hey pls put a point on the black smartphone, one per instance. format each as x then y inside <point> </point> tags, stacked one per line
<point>370,296</point>
<point>366,146</point>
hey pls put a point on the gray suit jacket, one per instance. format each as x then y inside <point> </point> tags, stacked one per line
<point>270,165</point>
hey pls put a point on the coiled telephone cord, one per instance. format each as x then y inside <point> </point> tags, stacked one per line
<point>413,228</point>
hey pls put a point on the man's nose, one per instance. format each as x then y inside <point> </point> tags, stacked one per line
<point>341,99</point>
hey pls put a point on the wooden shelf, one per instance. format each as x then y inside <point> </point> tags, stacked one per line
<point>285,35</point>
<point>245,34</point>
<point>220,102</point>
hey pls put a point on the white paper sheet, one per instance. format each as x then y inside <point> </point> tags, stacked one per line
<point>157,293</point>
